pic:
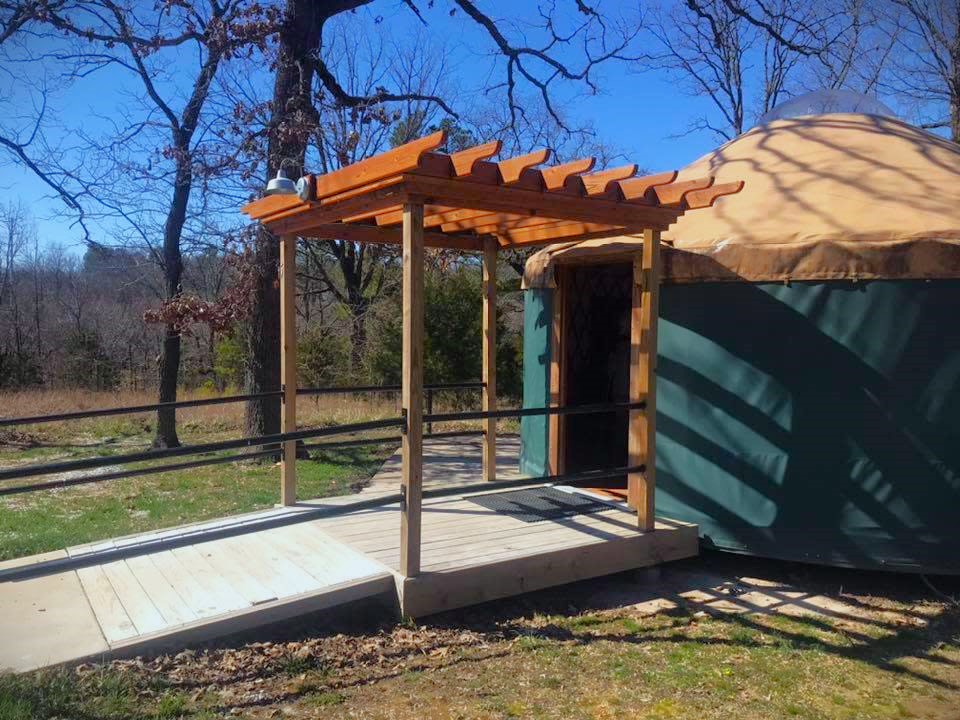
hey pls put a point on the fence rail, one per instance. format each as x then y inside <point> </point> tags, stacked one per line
<point>270,444</point>
<point>158,454</point>
<point>154,407</point>
<point>532,412</point>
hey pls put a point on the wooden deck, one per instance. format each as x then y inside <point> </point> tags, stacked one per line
<point>471,554</point>
<point>171,589</point>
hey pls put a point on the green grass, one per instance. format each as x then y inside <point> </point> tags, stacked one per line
<point>614,665</point>
<point>50,520</point>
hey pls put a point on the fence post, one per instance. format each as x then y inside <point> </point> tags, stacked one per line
<point>642,436</point>
<point>288,366</point>
<point>489,350</point>
<point>429,409</point>
<point>412,388</point>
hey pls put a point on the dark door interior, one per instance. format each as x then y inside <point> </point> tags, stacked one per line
<point>597,365</point>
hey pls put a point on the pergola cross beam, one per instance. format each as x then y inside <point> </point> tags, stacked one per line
<point>415,196</point>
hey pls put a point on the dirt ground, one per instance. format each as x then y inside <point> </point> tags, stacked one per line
<point>719,636</point>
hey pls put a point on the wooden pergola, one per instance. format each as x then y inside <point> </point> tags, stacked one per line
<point>414,196</point>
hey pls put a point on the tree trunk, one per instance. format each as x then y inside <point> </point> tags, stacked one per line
<point>955,112</point>
<point>263,366</point>
<point>169,365</point>
<point>291,124</point>
<point>358,338</point>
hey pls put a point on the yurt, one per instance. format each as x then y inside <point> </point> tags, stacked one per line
<point>808,365</point>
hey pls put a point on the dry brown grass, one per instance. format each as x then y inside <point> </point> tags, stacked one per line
<point>318,410</point>
<point>342,408</point>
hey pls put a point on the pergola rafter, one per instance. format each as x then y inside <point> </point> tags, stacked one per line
<point>468,196</point>
<point>415,196</point>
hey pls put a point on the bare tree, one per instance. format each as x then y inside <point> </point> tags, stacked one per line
<point>743,67</point>
<point>356,274</point>
<point>143,41</point>
<point>15,233</point>
<point>705,45</point>
<point>860,51</point>
<point>564,47</point>
<point>925,65</point>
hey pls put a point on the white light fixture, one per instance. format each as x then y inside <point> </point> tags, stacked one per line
<point>281,185</point>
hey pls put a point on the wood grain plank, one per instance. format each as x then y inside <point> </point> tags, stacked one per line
<point>195,595</point>
<point>226,597</point>
<point>252,590</point>
<point>139,606</point>
<point>270,566</point>
<point>488,399</point>
<point>642,433</point>
<point>114,622</point>
<point>288,367</point>
<point>392,162</point>
<point>172,606</point>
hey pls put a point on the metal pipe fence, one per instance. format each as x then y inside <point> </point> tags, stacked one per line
<point>270,444</point>
<point>202,402</point>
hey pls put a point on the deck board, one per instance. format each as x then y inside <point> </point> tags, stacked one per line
<point>105,604</point>
<point>170,588</point>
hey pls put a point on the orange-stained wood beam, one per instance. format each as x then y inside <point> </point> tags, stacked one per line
<point>561,232</point>
<point>457,164</point>
<point>696,199</point>
<point>401,159</point>
<point>463,160</point>
<point>484,172</point>
<point>452,215</point>
<point>527,202</point>
<point>436,164</point>
<point>316,214</point>
<point>638,188</point>
<point>674,193</point>
<point>511,168</point>
<point>390,236</point>
<point>357,195</point>
<point>269,205</point>
<point>392,216</point>
<point>436,215</point>
<point>497,221</point>
<point>597,183</point>
<point>555,177</point>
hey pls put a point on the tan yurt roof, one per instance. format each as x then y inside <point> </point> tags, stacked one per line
<point>835,196</point>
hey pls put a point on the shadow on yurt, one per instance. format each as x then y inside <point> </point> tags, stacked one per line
<point>808,348</point>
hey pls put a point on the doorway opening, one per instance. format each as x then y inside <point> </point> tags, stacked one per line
<point>596,366</point>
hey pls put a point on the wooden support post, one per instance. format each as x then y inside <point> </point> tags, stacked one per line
<point>412,388</point>
<point>556,423</point>
<point>288,366</point>
<point>489,349</point>
<point>642,438</point>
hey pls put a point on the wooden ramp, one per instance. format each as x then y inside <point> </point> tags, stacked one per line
<point>172,589</point>
<point>176,588</point>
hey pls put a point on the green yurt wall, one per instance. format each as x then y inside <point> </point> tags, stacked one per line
<point>811,421</point>
<point>808,379</point>
<point>537,314</point>
<point>824,428</point>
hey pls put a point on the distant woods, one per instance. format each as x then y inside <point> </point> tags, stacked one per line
<point>68,322</point>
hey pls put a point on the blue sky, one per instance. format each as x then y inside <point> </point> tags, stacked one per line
<point>644,114</point>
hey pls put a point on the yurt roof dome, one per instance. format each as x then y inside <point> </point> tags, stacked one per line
<point>829,196</point>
